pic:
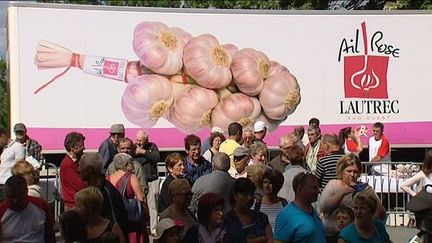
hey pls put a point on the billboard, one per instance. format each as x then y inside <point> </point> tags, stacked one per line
<point>346,69</point>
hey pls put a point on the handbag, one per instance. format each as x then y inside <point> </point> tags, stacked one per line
<point>132,205</point>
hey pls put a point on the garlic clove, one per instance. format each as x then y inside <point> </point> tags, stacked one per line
<point>208,62</point>
<point>146,99</point>
<point>280,95</point>
<point>250,68</point>
<point>159,47</point>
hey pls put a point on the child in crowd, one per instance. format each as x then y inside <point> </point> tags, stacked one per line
<point>344,217</point>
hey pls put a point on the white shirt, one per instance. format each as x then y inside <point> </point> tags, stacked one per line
<point>420,179</point>
<point>27,225</point>
<point>11,153</point>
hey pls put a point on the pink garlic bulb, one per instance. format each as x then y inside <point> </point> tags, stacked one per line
<point>280,95</point>
<point>276,67</point>
<point>236,107</point>
<point>250,68</point>
<point>231,48</point>
<point>183,35</point>
<point>250,120</point>
<point>159,47</point>
<point>146,99</point>
<point>207,62</point>
<point>192,108</point>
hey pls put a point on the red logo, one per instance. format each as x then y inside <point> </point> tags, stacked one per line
<point>110,68</point>
<point>365,76</point>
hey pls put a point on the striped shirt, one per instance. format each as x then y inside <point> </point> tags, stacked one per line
<point>326,168</point>
<point>271,210</point>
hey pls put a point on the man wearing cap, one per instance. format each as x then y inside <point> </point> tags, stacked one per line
<point>108,148</point>
<point>260,130</point>
<point>219,181</point>
<point>235,135</point>
<point>206,144</point>
<point>12,151</point>
<point>241,159</point>
<point>32,147</point>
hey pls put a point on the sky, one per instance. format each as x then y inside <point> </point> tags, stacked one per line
<point>3,8</point>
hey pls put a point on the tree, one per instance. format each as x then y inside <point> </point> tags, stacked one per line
<point>4,96</point>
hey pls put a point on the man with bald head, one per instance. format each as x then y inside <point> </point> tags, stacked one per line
<point>280,162</point>
<point>90,170</point>
<point>219,181</point>
<point>147,154</point>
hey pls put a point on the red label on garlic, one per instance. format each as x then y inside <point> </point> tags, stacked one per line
<point>112,68</point>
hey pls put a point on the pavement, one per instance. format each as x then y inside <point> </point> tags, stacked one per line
<point>401,234</point>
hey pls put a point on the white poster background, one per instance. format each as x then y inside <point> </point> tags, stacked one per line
<point>307,44</point>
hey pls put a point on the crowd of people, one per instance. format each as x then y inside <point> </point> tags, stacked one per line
<point>229,191</point>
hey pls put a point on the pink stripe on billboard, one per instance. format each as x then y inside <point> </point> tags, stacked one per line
<point>399,134</point>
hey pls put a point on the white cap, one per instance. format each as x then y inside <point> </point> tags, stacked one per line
<point>217,129</point>
<point>259,126</point>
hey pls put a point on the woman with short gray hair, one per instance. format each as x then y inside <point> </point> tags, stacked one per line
<point>123,177</point>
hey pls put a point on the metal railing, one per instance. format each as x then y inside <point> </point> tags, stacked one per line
<point>385,178</point>
<point>49,180</point>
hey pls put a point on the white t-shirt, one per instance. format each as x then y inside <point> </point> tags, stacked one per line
<point>27,225</point>
<point>419,179</point>
<point>11,153</point>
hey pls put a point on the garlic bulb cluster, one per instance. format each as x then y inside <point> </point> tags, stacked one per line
<point>197,82</point>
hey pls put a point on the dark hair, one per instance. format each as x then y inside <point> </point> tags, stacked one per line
<point>241,185</point>
<point>72,139</point>
<point>276,179</point>
<point>206,204</point>
<point>16,183</point>
<point>173,159</point>
<point>427,162</point>
<point>73,227</point>
<point>191,139</point>
<point>235,129</point>
<point>346,210</point>
<point>314,122</point>
<point>379,125</point>
<point>343,134</point>
<point>214,136</point>
<point>300,180</point>
<point>3,131</point>
<point>295,155</point>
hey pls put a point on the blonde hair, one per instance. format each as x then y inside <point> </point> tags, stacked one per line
<point>258,148</point>
<point>348,160</point>
<point>256,172</point>
<point>90,199</point>
<point>26,170</point>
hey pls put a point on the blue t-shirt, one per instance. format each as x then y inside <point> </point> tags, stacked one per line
<point>293,224</point>
<point>350,234</point>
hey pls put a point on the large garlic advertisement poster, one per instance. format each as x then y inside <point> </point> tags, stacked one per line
<point>176,72</point>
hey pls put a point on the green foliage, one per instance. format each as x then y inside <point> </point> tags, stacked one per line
<point>250,4</point>
<point>4,97</point>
